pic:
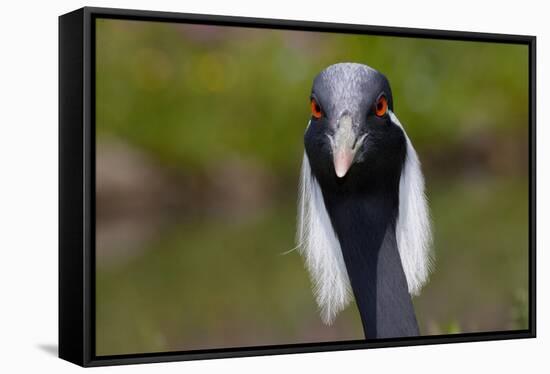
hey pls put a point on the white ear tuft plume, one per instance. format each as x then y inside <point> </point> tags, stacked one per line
<point>319,245</point>
<point>413,229</point>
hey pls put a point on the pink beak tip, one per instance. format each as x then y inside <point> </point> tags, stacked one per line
<point>340,173</point>
<point>342,163</point>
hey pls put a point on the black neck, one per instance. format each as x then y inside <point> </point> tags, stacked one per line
<point>365,226</point>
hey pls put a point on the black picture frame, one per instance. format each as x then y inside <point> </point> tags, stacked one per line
<point>77,185</point>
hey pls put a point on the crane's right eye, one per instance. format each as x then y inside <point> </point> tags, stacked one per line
<point>381,107</point>
<point>316,109</point>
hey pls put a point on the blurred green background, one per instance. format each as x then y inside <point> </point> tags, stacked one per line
<point>199,145</point>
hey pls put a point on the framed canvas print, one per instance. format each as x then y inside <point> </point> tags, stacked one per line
<point>233,186</point>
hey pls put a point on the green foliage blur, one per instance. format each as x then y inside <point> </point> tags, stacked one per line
<point>200,140</point>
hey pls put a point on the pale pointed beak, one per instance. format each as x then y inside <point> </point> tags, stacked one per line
<point>343,158</point>
<point>344,145</point>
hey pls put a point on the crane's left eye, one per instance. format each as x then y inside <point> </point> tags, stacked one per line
<point>381,106</point>
<point>316,109</point>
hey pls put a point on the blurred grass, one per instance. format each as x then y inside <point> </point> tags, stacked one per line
<point>192,98</point>
<point>480,238</point>
<point>191,94</point>
<point>212,284</point>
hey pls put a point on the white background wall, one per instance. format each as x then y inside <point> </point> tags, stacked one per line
<point>28,184</point>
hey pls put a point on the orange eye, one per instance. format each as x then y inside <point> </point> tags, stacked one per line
<point>381,106</point>
<point>315,109</point>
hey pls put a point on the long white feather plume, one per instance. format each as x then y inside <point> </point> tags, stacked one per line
<point>317,242</point>
<point>413,230</point>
